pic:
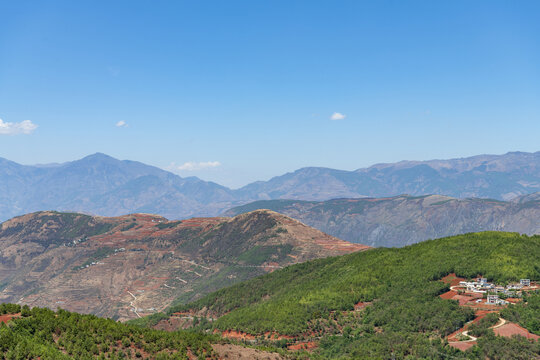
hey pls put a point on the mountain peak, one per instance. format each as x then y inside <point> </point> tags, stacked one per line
<point>98,157</point>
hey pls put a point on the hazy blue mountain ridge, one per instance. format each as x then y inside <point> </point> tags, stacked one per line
<point>102,185</point>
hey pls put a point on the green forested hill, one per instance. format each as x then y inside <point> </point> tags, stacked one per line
<point>406,317</point>
<point>48,335</point>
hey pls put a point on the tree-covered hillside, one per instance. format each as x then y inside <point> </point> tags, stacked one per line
<point>48,335</point>
<point>404,315</point>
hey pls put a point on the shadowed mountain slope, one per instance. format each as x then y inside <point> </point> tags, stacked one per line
<point>404,220</point>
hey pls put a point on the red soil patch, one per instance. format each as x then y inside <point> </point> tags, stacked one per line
<point>361,305</point>
<point>509,329</point>
<point>307,345</point>
<point>462,299</point>
<point>452,279</point>
<point>480,314</point>
<point>5,318</point>
<point>462,345</point>
<point>448,295</point>
<point>238,335</point>
<point>476,295</point>
<point>467,299</point>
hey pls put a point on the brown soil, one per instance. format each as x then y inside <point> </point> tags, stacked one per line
<point>238,335</point>
<point>452,279</point>
<point>510,329</point>
<point>306,345</point>
<point>361,305</point>
<point>230,351</point>
<point>448,295</point>
<point>7,317</point>
<point>461,345</point>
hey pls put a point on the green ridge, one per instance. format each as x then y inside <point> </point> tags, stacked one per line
<point>406,317</point>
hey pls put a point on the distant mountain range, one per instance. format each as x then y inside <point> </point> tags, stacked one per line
<point>501,177</point>
<point>137,264</point>
<point>404,220</point>
<point>100,184</point>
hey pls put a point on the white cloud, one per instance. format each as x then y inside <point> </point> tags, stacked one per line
<point>192,166</point>
<point>121,123</point>
<point>338,116</point>
<point>24,127</point>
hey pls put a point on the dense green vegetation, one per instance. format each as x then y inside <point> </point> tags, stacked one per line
<point>482,327</point>
<point>261,253</point>
<point>527,313</point>
<point>406,317</point>
<point>45,334</point>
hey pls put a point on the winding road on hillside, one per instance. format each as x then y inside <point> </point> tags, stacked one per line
<point>500,323</point>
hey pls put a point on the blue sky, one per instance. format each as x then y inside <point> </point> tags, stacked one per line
<point>237,91</point>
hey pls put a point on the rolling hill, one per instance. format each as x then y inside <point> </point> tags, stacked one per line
<point>99,184</point>
<point>404,220</point>
<point>128,266</point>
<point>383,303</point>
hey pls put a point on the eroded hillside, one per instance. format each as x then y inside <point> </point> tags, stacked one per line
<point>129,266</point>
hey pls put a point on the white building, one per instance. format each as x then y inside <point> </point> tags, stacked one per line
<point>494,300</point>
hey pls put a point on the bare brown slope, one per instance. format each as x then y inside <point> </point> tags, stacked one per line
<point>133,265</point>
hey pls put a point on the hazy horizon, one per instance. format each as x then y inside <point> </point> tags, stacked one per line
<point>57,163</point>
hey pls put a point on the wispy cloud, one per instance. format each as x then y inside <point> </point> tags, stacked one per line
<point>24,127</point>
<point>338,116</point>
<point>193,165</point>
<point>121,123</point>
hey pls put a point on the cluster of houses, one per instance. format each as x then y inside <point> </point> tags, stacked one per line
<point>482,286</point>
